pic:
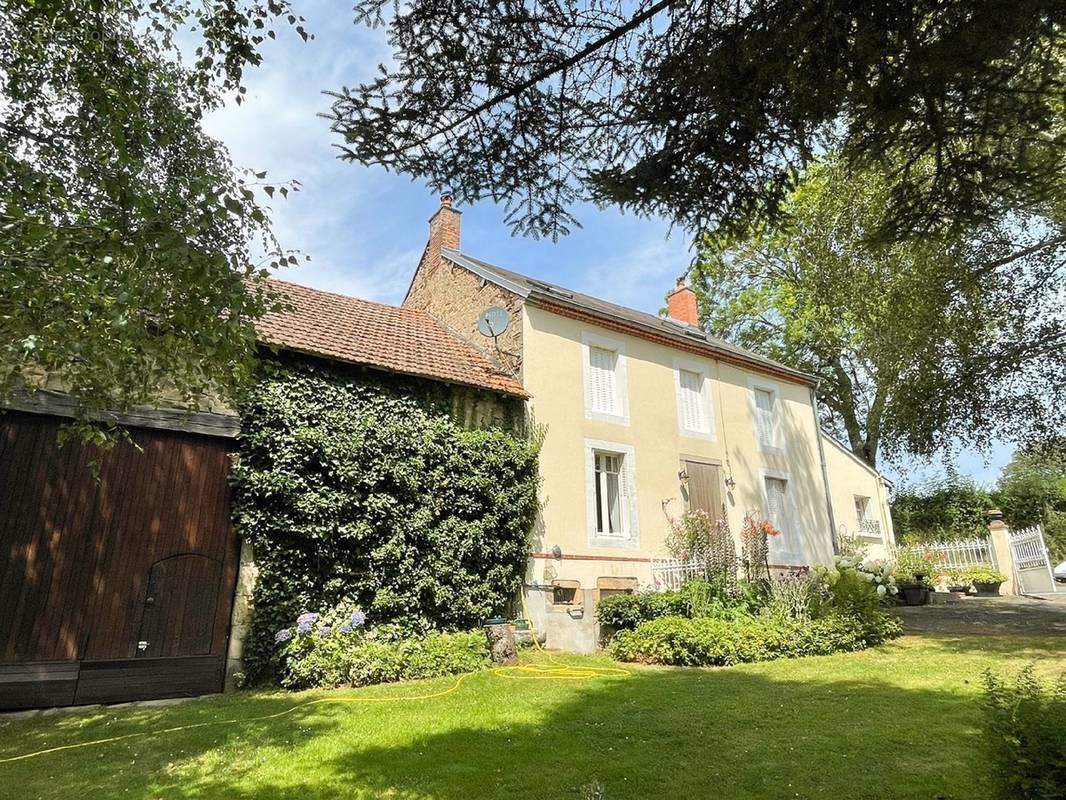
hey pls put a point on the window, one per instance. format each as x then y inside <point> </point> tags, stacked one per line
<point>866,524</point>
<point>784,547</point>
<point>611,495</point>
<point>605,380</point>
<point>610,507</point>
<point>765,409</point>
<point>603,394</point>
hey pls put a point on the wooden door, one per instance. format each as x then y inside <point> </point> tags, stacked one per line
<point>704,490</point>
<point>179,606</point>
<point>78,550</point>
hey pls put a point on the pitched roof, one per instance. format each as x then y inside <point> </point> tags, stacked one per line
<point>391,338</point>
<point>683,335</point>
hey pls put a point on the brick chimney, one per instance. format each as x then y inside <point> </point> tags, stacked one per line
<point>681,304</point>
<point>443,232</point>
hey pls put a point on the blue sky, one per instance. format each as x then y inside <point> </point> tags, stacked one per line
<point>364,229</point>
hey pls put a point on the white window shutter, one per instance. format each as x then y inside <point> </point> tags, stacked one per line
<point>764,417</point>
<point>690,384</point>
<point>602,393</point>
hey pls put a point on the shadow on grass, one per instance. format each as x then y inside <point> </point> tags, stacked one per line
<point>893,722</point>
<point>674,733</point>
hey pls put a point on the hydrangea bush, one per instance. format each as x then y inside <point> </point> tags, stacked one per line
<point>337,648</point>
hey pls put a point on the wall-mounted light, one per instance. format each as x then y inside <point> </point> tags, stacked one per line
<point>683,477</point>
<point>730,484</point>
<point>557,552</point>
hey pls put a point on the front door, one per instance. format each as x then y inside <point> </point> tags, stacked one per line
<point>704,489</point>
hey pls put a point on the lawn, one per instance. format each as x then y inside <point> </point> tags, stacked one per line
<point>898,721</point>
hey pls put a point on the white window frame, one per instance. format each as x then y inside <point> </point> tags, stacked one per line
<point>630,538</point>
<point>702,370</point>
<point>621,383</point>
<point>777,432</point>
<point>866,508</point>
<point>870,508</point>
<point>795,555</point>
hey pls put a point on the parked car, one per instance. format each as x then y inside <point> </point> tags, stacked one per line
<point>1060,572</point>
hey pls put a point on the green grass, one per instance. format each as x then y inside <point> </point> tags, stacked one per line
<point>898,721</point>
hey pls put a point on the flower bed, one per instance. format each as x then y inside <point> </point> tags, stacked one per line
<point>337,649</point>
<point>834,609</point>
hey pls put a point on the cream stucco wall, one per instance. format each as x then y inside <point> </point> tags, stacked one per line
<point>554,375</point>
<point>848,478</point>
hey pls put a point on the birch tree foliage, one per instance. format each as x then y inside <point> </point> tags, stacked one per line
<point>131,250</point>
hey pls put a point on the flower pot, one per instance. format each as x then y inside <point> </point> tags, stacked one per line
<point>987,589</point>
<point>912,595</point>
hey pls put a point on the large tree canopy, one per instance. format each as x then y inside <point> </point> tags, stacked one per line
<point>703,111</point>
<point>127,240</point>
<point>916,344</point>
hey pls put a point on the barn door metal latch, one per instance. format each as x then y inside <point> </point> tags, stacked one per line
<point>142,646</point>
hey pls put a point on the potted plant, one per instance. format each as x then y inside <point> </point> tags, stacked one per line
<point>986,581</point>
<point>913,564</point>
<point>957,580</point>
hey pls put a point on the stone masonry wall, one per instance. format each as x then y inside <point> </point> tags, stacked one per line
<point>455,297</point>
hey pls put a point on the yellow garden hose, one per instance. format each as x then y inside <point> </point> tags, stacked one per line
<point>553,671</point>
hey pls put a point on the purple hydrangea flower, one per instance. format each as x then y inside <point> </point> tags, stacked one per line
<point>283,635</point>
<point>346,628</point>
<point>358,618</point>
<point>307,618</point>
<point>303,627</point>
<point>324,631</point>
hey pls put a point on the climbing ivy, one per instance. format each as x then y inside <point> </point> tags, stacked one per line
<point>365,486</point>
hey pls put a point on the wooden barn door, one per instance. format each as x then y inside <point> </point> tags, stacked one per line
<point>81,555</point>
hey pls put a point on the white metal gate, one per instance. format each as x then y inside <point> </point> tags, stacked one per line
<point>1032,561</point>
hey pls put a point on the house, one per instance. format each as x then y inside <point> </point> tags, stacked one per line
<point>134,585</point>
<point>645,416</point>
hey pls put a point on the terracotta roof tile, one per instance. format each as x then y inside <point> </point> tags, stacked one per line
<point>391,338</point>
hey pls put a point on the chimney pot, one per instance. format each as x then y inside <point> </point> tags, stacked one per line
<point>446,200</point>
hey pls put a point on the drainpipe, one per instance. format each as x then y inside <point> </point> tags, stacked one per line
<point>825,473</point>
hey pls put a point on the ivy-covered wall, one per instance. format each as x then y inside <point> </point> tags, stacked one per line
<point>374,487</point>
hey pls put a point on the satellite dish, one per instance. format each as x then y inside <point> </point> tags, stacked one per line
<point>493,321</point>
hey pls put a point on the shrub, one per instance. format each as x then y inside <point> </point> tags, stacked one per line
<point>696,598</point>
<point>914,560</point>
<point>796,595</point>
<point>857,587</point>
<point>714,642</point>
<point>335,649</point>
<point>985,575</point>
<point>1025,736</point>
<point>627,611</point>
<point>366,487</point>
